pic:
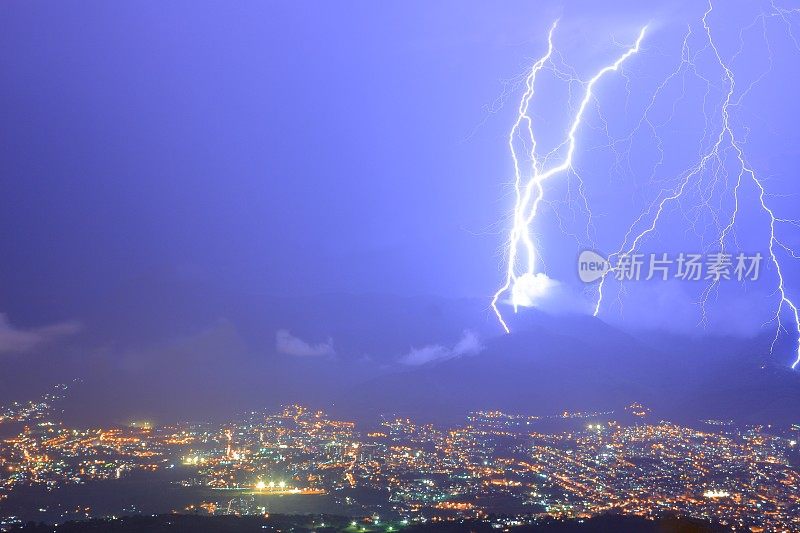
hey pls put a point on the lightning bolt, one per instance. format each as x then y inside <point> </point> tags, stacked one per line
<point>713,160</point>
<point>528,182</point>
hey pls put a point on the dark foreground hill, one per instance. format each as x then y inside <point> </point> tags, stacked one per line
<point>299,524</point>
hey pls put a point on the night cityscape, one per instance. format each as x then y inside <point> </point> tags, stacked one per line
<point>372,267</point>
<point>503,469</point>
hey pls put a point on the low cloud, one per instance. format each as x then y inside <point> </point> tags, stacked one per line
<point>288,344</point>
<point>549,295</point>
<point>17,340</point>
<point>469,344</point>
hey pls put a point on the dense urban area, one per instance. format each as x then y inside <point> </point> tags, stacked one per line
<point>500,468</point>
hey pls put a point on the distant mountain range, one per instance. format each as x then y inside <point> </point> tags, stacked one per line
<point>197,353</point>
<point>583,364</point>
